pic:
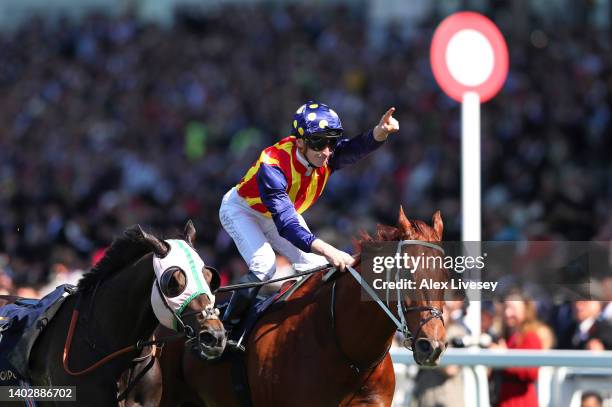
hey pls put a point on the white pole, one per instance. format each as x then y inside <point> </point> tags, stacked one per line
<point>470,195</point>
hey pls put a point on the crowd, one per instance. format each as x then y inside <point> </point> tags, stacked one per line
<point>110,121</point>
<point>512,324</point>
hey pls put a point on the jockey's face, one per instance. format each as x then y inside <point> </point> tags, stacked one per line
<point>316,158</point>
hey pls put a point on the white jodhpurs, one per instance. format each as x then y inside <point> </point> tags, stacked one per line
<point>257,238</point>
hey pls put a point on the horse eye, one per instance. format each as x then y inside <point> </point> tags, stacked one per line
<point>173,282</point>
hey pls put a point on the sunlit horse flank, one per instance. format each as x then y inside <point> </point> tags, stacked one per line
<point>115,312</point>
<point>296,357</point>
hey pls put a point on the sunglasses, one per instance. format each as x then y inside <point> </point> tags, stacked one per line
<point>327,139</point>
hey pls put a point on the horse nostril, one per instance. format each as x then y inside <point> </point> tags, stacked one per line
<point>208,339</point>
<point>424,346</point>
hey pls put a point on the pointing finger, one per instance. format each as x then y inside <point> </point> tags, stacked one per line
<point>388,114</point>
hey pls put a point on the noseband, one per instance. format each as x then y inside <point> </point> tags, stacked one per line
<point>402,309</point>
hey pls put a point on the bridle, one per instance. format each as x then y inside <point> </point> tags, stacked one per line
<point>209,313</point>
<point>402,309</point>
<point>184,330</point>
<point>170,309</point>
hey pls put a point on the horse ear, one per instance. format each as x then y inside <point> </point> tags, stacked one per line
<point>403,221</point>
<point>438,225</point>
<point>157,246</point>
<point>189,232</point>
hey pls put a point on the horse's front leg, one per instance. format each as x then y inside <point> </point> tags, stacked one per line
<point>376,389</point>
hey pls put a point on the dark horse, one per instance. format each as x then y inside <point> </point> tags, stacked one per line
<point>116,311</point>
<point>324,346</point>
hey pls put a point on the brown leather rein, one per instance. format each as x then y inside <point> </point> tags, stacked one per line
<point>139,345</point>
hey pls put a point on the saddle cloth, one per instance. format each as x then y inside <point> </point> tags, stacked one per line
<point>20,325</point>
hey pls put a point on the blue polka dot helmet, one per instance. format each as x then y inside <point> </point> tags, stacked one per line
<point>316,118</point>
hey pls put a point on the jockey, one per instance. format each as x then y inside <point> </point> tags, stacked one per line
<point>263,212</point>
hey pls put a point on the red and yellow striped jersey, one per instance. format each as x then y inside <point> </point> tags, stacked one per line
<point>302,189</point>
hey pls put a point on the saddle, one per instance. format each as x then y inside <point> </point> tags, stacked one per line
<point>21,323</point>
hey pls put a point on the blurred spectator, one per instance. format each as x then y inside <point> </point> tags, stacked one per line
<point>606,287</point>
<point>589,330</point>
<point>490,323</point>
<point>28,292</point>
<point>456,313</point>
<point>60,274</point>
<point>546,335</point>
<point>520,331</point>
<point>6,283</point>
<point>591,399</point>
<point>442,386</point>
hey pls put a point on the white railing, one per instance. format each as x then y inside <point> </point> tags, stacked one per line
<point>515,358</point>
<point>563,373</point>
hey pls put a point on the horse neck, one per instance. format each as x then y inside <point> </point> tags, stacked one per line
<point>363,329</point>
<point>122,304</point>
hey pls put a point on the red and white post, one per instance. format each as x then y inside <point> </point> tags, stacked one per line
<point>469,59</point>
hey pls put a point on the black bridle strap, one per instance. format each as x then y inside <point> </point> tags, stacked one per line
<point>352,364</point>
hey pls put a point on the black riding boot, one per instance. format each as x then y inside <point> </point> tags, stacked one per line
<point>241,299</point>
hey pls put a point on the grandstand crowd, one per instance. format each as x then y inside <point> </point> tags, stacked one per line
<point>109,121</point>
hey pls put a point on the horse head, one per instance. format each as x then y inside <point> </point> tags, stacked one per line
<point>183,294</point>
<point>423,311</point>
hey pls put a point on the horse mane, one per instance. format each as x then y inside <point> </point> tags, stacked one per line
<point>419,231</point>
<point>124,251</point>
<point>383,233</point>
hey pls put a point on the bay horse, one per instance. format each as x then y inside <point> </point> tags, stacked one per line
<point>324,346</point>
<point>115,300</point>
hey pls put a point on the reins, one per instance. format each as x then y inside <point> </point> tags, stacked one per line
<point>401,308</point>
<point>185,330</point>
<point>139,345</point>
<point>234,287</point>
